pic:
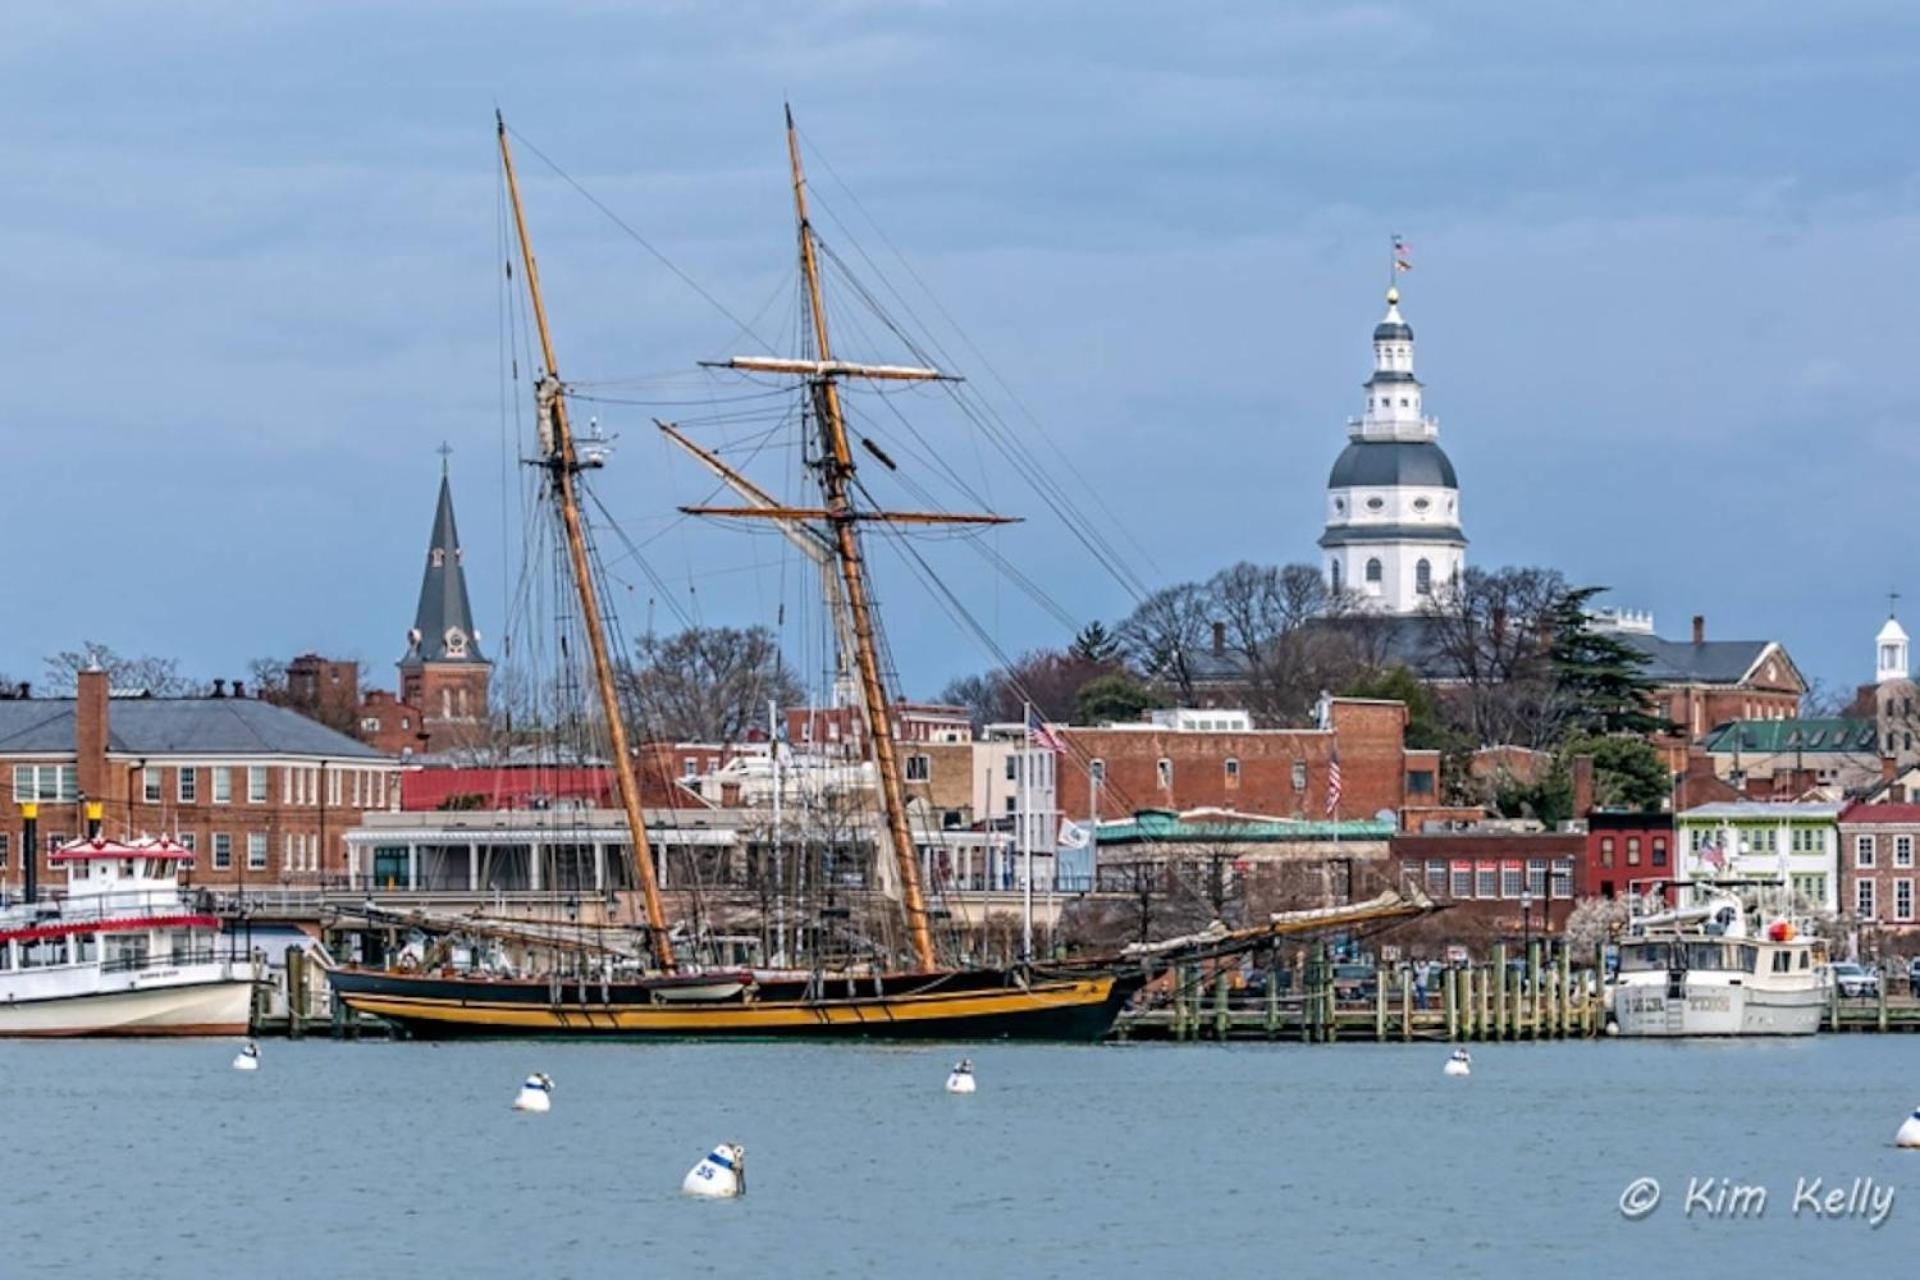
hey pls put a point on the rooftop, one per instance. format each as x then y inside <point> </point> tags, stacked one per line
<point>1762,810</point>
<point>1819,736</point>
<point>177,727</point>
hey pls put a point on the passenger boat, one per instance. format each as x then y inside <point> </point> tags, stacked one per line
<point>123,952</point>
<point>1712,968</point>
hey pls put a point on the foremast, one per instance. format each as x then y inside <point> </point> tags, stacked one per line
<point>563,467</point>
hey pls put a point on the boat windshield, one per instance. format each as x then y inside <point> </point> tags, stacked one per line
<point>1639,956</point>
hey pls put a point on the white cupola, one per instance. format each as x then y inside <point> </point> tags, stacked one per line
<point>1890,660</point>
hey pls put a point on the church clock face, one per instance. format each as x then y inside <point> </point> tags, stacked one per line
<point>456,641</point>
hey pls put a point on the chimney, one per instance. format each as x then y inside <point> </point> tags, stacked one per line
<point>91,732</point>
<point>239,689</point>
<point>1499,624</point>
<point>1219,639</point>
<point>219,688</point>
<point>1582,786</point>
<point>26,690</point>
<point>30,847</point>
<point>1699,628</point>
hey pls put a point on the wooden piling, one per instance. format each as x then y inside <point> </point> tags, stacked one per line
<point>1533,989</point>
<point>1566,992</point>
<point>1500,991</point>
<point>1222,1015</point>
<point>1379,1006</point>
<point>1273,997</point>
<point>1406,1005</point>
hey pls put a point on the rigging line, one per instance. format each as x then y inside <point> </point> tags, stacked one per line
<point>979,356</point>
<point>659,584</point>
<point>639,239</point>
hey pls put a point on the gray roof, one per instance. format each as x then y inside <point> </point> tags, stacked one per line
<point>1388,331</point>
<point>1392,462</point>
<point>1413,641</point>
<point>443,595</point>
<point>1682,662</point>
<point>177,726</point>
<point>1443,534</point>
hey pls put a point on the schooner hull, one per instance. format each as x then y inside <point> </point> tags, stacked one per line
<point>961,1006</point>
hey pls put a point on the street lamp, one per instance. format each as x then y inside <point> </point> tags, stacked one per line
<point>1526,920</point>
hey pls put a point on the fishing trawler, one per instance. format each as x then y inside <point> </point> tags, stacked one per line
<point>1719,966</point>
<point>602,993</point>
<point>123,952</point>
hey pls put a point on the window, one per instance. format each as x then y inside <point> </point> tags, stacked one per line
<point>1562,878</point>
<point>187,783</point>
<point>1423,577</point>
<point>1659,851</point>
<point>689,768</point>
<point>1462,886</point>
<point>222,785</point>
<point>150,785</point>
<point>1863,851</point>
<point>256,851</point>
<point>1013,767</point>
<point>3,865</point>
<point>1373,570</point>
<point>1097,770</point>
<point>1437,879</point>
<point>1606,851</point>
<point>1333,571</point>
<point>222,851</point>
<point>1537,877</point>
<point>190,842</point>
<point>256,784</point>
<point>1903,851</point>
<point>1420,782</point>
<point>1012,804</point>
<point>1165,772</point>
<point>1299,775</point>
<point>1863,899</point>
<point>58,783</point>
<point>1903,900</point>
<point>289,858</point>
<point>919,768</point>
<point>1233,772</point>
<point>1486,880</point>
<point>370,724</point>
<point>1510,879</point>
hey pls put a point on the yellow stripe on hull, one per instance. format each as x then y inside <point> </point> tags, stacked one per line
<point>795,1017</point>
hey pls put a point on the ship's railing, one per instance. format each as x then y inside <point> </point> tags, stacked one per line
<point>141,963</point>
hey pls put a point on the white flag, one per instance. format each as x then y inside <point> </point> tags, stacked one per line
<point>1075,835</point>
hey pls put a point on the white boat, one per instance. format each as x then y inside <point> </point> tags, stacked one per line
<point>1711,969</point>
<point>123,952</point>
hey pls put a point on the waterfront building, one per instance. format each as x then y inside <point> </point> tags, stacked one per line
<point>1498,879</point>
<point>1877,867</point>
<point>1393,535</point>
<point>261,794</point>
<point>1751,840</point>
<point>1625,849</point>
<point>1787,759</point>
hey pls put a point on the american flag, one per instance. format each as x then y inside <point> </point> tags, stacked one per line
<point>1402,255</point>
<point>1333,783</point>
<point>1038,735</point>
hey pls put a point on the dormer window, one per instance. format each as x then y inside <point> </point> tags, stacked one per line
<point>437,557</point>
<point>1421,504</point>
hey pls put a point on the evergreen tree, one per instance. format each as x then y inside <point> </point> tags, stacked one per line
<point>1601,678</point>
<point>1116,699</point>
<point>1094,644</point>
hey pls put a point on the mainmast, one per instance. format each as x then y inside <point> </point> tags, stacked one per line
<point>563,466</point>
<point>836,475</point>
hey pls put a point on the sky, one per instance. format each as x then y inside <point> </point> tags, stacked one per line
<point>252,278</point>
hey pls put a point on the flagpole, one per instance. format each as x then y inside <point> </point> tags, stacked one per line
<point>779,886</point>
<point>1025,835</point>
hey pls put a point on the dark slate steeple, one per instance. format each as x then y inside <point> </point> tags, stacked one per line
<point>443,629</point>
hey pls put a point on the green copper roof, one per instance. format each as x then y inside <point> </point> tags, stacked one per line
<point>1778,736</point>
<point>1158,824</point>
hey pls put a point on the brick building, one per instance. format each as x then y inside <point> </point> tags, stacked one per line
<point>1877,873</point>
<point>1502,880</point>
<point>1115,770</point>
<point>262,794</point>
<point>444,674</point>
<point>1625,847</point>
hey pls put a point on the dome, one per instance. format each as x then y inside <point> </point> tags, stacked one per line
<point>1892,631</point>
<point>1384,463</point>
<point>1393,331</point>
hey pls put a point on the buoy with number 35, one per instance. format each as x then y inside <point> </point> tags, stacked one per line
<point>723,1173</point>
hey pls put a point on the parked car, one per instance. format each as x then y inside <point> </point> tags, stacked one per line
<point>1855,981</point>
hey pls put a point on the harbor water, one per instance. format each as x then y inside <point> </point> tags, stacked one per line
<point>375,1159</point>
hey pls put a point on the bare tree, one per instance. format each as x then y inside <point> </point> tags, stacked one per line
<point>1272,618</point>
<point>158,676</point>
<point>1492,638</point>
<point>709,684</point>
<point>1165,633</point>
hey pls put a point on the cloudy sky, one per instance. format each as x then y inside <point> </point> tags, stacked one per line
<point>251,279</point>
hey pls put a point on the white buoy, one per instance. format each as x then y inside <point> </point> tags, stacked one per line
<point>723,1173</point>
<point>1909,1135</point>
<point>248,1059</point>
<point>536,1094</point>
<point>960,1079</point>
<point>1460,1064</point>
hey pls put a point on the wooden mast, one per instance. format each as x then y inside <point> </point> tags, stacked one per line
<point>836,473</point>
<point>561,463</point>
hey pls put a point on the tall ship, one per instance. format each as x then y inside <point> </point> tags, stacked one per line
<point>1720,965</point>
<point>601,987</point>
<point>124,951</point>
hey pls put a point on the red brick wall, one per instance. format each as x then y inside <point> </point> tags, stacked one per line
<point>1625,847</point>
<point>1495,850</point>
<point>438,689</point>
<point>1373,766</point>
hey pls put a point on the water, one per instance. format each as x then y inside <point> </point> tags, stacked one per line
<point>156,1159</point>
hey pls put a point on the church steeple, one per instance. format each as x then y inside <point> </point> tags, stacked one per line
<point>443,629</point>
<point>1890,652</point>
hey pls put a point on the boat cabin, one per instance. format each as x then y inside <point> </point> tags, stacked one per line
<point>123,910</point>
